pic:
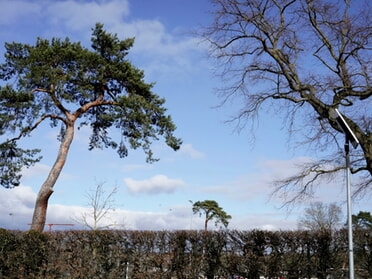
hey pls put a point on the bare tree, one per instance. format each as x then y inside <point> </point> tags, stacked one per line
<point>101,204</point>
<point>320,216</point>
<point>304,58</point>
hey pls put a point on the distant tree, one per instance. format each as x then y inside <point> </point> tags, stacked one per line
<point>363,220</point>
<point>67,84</point>
<point>211,210</point>
<point>101,204</point>
<point>320,216</point>
<point>301,59</point>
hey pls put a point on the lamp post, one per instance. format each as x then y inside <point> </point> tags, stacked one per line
<point>349,137</point>
<point>349,216</point>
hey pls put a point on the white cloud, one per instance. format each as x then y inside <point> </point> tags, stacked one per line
<point>155,185</point>
<point>17,204</point>
<point>151,35</point>
<point>160,52</point>
<point>177,217</point>
<point>12,10</point>
<point>279,169</point>
<point>16,207</point>
<point>40,173</point>
<point>269,221</point>
<point>152,39</point>
<point>247,187</point>
<point>18,196</point>
<point>81,16</point>
<point>325,189</point>
<point>189,150</point>
<point>259,184</point>
<point>38,169</point>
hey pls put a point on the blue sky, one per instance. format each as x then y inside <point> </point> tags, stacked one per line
<point>215,162</point>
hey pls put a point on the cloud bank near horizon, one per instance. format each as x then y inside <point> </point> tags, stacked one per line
<point>17,204</point>
<point>154,185</point>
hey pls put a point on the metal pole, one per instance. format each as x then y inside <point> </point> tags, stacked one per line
<point>349,216</point>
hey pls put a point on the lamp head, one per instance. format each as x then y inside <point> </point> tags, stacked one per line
<point>336,115</point>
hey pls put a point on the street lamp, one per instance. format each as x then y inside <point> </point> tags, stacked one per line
<point>349,137</point>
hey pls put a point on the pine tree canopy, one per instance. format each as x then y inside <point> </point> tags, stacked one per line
<point>68,84</point>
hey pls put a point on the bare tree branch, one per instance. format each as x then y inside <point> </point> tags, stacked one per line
<point>308,57</point>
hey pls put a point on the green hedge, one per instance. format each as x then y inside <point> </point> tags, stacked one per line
<point>181,254</point>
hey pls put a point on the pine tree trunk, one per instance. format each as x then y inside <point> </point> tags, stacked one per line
<point>41,205</point>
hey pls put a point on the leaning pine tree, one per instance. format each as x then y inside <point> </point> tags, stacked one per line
<point>72,86</point>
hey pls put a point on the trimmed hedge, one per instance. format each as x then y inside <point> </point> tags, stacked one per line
<point>182,254</point>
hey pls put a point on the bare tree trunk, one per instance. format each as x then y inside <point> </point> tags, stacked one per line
<point>41,205</point>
